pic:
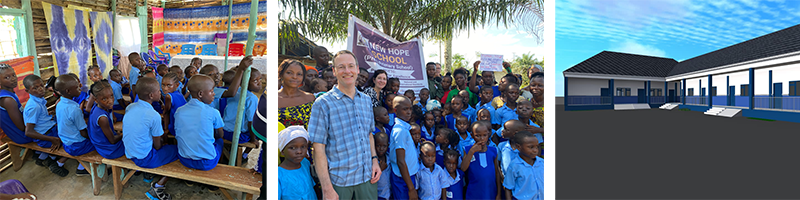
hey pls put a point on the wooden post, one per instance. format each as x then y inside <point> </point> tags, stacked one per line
<point>227,36</point>
<point>26,6</point>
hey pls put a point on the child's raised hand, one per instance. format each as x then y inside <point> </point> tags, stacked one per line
<point>246,61</point>
<point>475,66</point>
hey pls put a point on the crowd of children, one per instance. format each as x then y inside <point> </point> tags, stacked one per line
<point>198,110</point>
<point>465,137</point>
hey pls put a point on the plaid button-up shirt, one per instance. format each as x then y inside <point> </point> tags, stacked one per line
<point>344,125</point>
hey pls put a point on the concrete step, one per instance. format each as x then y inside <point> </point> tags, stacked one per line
<point>730,112</point>
<point>631,106</point>
<point>664,106</point>
<point>673,106</point>
<point>714,111</point>
<point>641,106</point>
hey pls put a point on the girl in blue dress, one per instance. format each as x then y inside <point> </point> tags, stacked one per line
<point>480,165</point>
<point>107,142</point>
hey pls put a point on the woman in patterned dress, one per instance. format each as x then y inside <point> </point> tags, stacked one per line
<point>294,105</point>
<point>375,87</point>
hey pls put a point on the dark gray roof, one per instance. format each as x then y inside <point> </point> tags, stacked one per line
<point>776,43</point>
<point>616,63</point>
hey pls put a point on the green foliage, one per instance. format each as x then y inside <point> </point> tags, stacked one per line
<point>400,19</point>
<point>521,64</point>
<point>458,62</point>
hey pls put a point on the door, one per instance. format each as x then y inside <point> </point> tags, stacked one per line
<point>777,95</point>
<point>642,94</point>
<point>605,95</point>
<point>732,95</point>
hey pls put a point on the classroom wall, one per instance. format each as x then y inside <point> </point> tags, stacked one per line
<point>633,85</point>
<point>694,84</point>
<point>585,86</point>
<point>784,74</point>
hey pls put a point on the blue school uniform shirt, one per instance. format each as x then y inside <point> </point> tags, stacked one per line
<point>140,124</point>
<point>481,174</point>
<point>524,180</point>
<point>428,135</point>
<point>504,114</point>
<point>36,113</point>
<point>471,113</point>
<point>195,124</point>
<point>177,102</point>
<point>401,139</point>
<point>98,138</point>
<point>8,126</point>
<point>297,183</point>
<point>431,183</point>
<point>251,103</point>
<point>456,190</point>
<point>424,110</point>
<point>134,75</point>
<point>218,95</point>
<point>116,88</point>
<point>69,118</point>
<point>495,90</point>
<point>507,154</point>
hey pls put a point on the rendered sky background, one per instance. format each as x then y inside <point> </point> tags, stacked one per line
<point>677,29</point>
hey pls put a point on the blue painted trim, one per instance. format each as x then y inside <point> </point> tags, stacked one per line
<point>770,83</point>
<point>566,91</point>
<point>626,99</point>
<point>683,92</point>
<point>647,91</point>
<point>613,90</point>
<point>752,87</point>
<point>773,115</point>
<point>694,108</point>
<point>592,107</point>
<point>728,89</point>
<point>709,90</point>
<point>742,101</point>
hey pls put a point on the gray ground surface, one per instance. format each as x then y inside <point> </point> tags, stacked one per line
<point>658,154</point>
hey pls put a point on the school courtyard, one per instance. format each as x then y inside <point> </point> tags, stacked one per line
<point>623,154</point>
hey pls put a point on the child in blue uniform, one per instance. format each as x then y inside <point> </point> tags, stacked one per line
<point>40,125</point>
<point>181,77</point>
<point>294,173</point>
<point>137,65</point>
<point>456,189</point>
<point>524,113</point>
<point>143,130</point>
<point>198,126</point>
<point>106,140</point>
<point>525,176</point>
<point>480,165</point>
<point>428,126</point>
<point>445,139</point>
<point>456,106</point>
<point>10,107</point>
<point>509,109</point>
<point>250,103</point>
<point>115,80</point>
<point>403,153</point>
<point>486,103</point>
<point>433,180</point>
<point>467,109</point>
<point>173,98</point>
<point>464,135</point>
<point>390,109</point>
<point>381,119</point>
<point>71,125</point>
<point>381,148</point>
<point>424,94</point>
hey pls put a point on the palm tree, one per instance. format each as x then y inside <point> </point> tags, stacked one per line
<point>400,19</point>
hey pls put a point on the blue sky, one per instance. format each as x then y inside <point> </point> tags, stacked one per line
<point>677,29</point>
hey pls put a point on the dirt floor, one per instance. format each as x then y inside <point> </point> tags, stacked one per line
<point>660,154</point>
<point>46,185</point>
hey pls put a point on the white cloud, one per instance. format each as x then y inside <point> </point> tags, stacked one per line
<point>633,47</point>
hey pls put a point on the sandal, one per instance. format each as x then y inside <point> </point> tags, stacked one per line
<point>60,171</point>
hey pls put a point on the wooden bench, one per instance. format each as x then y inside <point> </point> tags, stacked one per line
<point>227,144</point>
<point>92,161</point>
<point>222,176</point>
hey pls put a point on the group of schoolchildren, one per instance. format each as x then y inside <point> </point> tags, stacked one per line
<point>449,149</point>
<point>196,109</point>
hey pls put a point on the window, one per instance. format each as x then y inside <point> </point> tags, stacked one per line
<point>623,92</point>
<point>126,35</point>
<point>8,44</point>
<point>656,92</point>
<point>794,88</point>
<point>691,92</point>
<point>714,91</point>
<point>702,91</point>
<point>744,90</point>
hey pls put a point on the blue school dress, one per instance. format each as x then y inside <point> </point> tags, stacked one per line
<point>451,121</point>
<point>428,135</point>
<point>296,183</point>
<point>439,156</point>
<point>177,102</point>
<point>80,99</point>
<point>220,103</point>
<point>8,126</point>
<point>99,139</point>
<point>481,175</point>
<point>456,191</point>
<point>471,113</point>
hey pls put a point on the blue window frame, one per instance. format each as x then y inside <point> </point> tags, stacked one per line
<point>794,88</point>
<point>744,90</point>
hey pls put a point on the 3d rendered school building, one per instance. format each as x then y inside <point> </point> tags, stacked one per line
<point>758,78</point>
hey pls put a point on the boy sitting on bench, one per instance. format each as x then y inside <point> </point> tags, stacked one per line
<point>142,135</point>
<point>71,125</point>
<point>198,127</point>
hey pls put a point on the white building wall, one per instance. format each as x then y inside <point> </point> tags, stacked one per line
<point>720,82</point>
<point>695,84</point>
<point>737,79</point>
<point>784,74</point>
<point>761,79</point>
<point>633,85</point>
<point>585,86</point>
